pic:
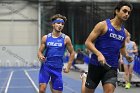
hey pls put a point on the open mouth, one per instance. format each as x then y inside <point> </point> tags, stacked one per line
<point>59,28</point>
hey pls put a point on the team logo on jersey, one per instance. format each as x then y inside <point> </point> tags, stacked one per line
<point>54,44</point>
<point>115,36</point>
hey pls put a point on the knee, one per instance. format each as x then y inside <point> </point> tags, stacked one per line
<point>109,91</point>
<point>109,88</point>
<point>126,73</point>
<point>130,73</point>
<point>42,89</point>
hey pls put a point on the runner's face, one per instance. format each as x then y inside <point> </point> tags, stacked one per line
<point>58,26</point>
<point>124,13</point>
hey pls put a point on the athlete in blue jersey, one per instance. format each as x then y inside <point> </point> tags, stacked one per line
<point>106,41</point>
<point>131,49</point>
<point>54,45</point>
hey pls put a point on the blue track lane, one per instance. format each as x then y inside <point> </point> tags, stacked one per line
<point>70,85</point>
<point>20,83</point>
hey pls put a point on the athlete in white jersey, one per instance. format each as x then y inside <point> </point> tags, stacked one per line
<point>131,49</point>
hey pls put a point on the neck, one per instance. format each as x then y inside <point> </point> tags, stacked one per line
<point>128,41</point>
<point>56,33</point>
<point>117,23</point>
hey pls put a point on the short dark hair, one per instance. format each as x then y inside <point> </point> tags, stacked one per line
<point>54,17</point>
<point>121,4</point>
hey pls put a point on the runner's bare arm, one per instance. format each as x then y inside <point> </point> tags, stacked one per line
<point>42,48</point>
<point>70,49</point>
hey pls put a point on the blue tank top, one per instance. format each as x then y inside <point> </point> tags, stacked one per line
<point>109,45</point>
<point>55,48</point>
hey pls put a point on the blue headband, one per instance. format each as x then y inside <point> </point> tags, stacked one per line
<point>58,21</point>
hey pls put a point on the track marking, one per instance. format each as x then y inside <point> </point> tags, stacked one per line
<point>36,88</point>
<point>7,86</point>
<point>4,83</point>
<point>34,85</point>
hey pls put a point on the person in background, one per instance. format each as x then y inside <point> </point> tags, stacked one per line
<point>131,49</point>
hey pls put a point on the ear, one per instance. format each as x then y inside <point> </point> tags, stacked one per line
<point>117,11</point>
<point>52,24</point>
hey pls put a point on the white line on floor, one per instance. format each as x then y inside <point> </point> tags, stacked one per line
<point>7,86</point>
<point>34,85</point>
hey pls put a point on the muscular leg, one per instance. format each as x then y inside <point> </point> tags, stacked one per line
<point>93,78</point>
<point>42,88</point>
<point>83,77</point>
<point>126,73</point>
<point>109,81</point>
<point>108,88</point>
<point>83,85</point>
<point>87,90</point>
<point>130,72</point>
<point>84,89</point>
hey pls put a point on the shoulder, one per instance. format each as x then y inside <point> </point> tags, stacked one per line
<point>44,38</point>
<point>63,35</point>
<point>101,24</point>
<point>126,32</point>
<point>101,27</point>
<point>49,34</point>
<point>133,42</point>
<point>67,39</point>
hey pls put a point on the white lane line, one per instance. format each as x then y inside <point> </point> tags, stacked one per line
<point>7,86</point>
<point>34,85</point>
<point>4,83</point>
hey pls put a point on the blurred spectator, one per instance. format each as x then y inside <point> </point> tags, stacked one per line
<point>66,56</point>
<point>79,59</point>
<point>87,55</point>
<point>132,50</point>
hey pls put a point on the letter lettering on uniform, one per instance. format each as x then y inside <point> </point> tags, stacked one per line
<point>115,36</point>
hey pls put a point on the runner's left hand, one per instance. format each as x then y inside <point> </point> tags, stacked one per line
<point>66,70</point>
<point>129,59</point>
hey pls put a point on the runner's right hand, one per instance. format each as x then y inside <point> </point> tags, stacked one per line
<point>42,58</point>
<point>101,59</point>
